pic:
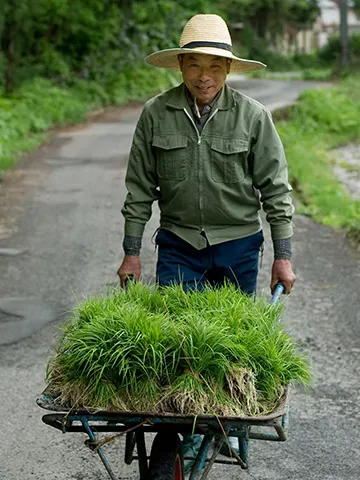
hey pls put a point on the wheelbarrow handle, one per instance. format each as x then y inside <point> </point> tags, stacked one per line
<point>279,290</point>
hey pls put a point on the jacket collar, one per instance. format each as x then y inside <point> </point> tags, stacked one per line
<point>178,99</point>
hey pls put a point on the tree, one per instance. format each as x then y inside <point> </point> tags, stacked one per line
<point>356,4</point>
<point>269,18</point>
<point>302,14</point>
<point>13,28</point>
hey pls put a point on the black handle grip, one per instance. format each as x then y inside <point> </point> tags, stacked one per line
<point>128,280</point>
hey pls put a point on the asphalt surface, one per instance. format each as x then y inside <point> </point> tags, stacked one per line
<point>60,240</point>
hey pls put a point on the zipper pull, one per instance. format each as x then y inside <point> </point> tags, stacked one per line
<point>199,141</point>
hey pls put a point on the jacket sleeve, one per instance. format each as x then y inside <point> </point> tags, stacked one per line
<point>270,176</point>
<point>141,179</point>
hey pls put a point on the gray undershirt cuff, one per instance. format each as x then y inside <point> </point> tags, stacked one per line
<point>132,245</point>
<point>282,249</point>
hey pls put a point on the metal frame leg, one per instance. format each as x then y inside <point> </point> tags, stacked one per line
<point>142,456</point>
<point>129,447</point>
<point>98,450</point>
<point>244,445</point>
<point>219,440</point>
<point>201,458</point>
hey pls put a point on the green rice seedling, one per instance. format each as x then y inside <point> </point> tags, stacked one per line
<point>160,349</point>
<point>226,300</point>
<point>103,347</point>
<point>220,403</point>
<point>175,300</point>
<point>273,359</point>
<point>186,396</point>
<point>205,347</point>
<point>143,339</point>
<point>144,395</point>
<point>146,295</point>
<point>74,393</point>
<point>102,394</point>
<point>242,389</point>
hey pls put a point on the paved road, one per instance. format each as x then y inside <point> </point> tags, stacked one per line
<point>60,240</point>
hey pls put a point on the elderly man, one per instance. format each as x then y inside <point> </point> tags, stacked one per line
<point>210,156</point>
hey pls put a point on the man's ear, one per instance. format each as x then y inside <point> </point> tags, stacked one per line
<point>181,61</point>
<point>228,66</point>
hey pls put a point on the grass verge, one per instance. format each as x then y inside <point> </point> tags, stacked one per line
<point>313,73</point>
<point>322,120</point>
<point>39,104</point>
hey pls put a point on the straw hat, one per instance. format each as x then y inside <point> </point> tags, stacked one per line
<point>207,34</point>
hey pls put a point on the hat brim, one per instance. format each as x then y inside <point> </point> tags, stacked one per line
<point>169,59</point>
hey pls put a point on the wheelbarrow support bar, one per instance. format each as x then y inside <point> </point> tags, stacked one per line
<point>135,427</point>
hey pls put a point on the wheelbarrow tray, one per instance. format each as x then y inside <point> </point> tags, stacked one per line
<point>191,423</point>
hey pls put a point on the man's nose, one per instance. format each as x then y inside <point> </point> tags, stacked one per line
<point>204,73</point>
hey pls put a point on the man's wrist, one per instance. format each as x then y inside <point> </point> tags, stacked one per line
<point>132,245</point>
<point>282,249</point>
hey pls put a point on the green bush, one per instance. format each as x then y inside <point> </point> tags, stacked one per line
<point>330,52</point>
<point>355,45</point>
<point>257,48</point>
<point>330,110</point>
<point>308,61</point>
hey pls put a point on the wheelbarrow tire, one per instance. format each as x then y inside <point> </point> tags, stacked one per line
<point>166,458</point>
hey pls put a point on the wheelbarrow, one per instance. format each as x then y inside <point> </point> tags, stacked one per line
<point>165,460</point>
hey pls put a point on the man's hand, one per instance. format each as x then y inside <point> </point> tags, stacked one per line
<point>282,273</point>
<point>130,267</point>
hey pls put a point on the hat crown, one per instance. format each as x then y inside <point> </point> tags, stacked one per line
<point>205,28</point>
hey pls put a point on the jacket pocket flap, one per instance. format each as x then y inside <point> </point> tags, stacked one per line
<point>229,145</point>
<point>169,142</point>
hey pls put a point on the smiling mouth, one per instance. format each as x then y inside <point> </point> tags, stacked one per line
<point>203,89</point>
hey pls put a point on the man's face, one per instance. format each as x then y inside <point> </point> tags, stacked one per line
<point>204,75</point>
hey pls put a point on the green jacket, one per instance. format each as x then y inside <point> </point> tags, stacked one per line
<point>213,182</point>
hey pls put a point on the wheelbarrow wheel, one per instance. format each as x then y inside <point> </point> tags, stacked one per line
<point>166,458</point>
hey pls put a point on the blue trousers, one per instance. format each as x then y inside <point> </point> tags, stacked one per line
<point>235,261</point>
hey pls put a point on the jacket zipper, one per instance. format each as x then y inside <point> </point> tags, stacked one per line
<point>196,130</point>
<point>207,121</point>
<point>199,143</point>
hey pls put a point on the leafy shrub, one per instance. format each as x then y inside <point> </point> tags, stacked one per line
<point>258,49</point>
<point>331,110</point>
<point>355,45</point>
<point>330,52</point>
<point>308,60</point>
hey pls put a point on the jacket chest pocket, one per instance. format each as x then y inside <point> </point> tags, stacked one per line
<point>227,159</point>
<point>171,156</point>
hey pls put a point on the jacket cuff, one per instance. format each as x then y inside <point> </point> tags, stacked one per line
<point>134,229</point>
<point>279,232</point>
